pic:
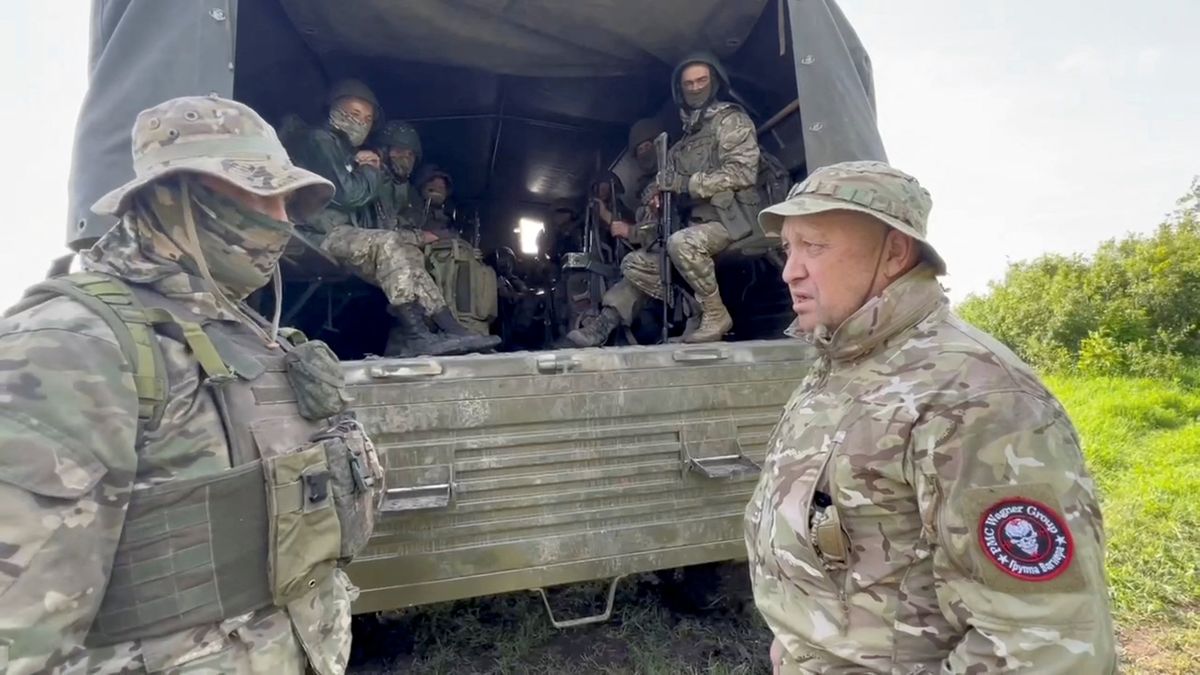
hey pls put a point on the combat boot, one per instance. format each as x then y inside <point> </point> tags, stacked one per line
<point>715,322</point>
<point>595,331</point>
<point>412,337</point>
<point>446,322</point>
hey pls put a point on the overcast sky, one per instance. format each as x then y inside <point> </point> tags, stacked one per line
<point>1037,126</point>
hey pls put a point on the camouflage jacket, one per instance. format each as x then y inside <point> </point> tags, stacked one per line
<point>394,209</point>
<point>970,536</point>
<point>69,457</point>
<point>328,153</point>
<point>719,151</point>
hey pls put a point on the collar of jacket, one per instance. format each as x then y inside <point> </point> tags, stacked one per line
<point>135,251</point>
<point>909,299</point>
<point>694,119</point>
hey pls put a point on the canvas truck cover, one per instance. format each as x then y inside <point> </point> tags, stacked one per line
<point>145,51</point>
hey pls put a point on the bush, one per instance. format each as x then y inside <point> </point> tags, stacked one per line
<point>1131,308</point>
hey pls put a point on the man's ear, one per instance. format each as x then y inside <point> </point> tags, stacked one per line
<point>901,254</point>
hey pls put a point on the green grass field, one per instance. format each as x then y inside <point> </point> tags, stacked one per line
<point>1142,441</point>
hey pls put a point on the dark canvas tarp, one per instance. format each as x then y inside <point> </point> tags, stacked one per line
<point>145,51</point>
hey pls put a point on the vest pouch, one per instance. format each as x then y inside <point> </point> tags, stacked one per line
<point>304,534</point>
<point>317,379</point>
<point>737,217</point>
<point>356,483</point>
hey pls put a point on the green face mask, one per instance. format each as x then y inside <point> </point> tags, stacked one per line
<point>240,247</point>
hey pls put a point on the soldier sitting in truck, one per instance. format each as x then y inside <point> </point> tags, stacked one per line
<point>713,170</point>
<point>456,265</point>
<point>347,230</point>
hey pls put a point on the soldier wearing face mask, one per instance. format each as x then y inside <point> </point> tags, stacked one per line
<point>333,151</point>
<point>357,229</point>
<point>435,187</point>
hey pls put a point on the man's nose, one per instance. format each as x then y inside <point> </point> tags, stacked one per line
<point>794,269</point>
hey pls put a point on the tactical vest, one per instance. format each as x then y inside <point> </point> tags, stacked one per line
<point>698,152</point>
<point>298,500</point>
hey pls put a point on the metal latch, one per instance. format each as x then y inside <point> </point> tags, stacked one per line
<point>557,363</point>
<point>700,354</point>
<point>722,467</point>
<point>420,497</point>
<point>405,370</point>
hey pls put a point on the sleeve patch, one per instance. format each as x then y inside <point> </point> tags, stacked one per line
<point>1026,539</point>
<point>1022,541</point>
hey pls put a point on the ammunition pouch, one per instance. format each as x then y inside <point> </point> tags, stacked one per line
<point>467,284</point>
<point>317,379</point>
<point>738,211</point>
<point>201,550</point>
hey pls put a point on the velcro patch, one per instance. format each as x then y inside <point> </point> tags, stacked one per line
<point>1023,539</point>
<point>1026,539</point>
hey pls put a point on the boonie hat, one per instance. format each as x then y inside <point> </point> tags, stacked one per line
<point>874,188</point>
<point>216,137</point>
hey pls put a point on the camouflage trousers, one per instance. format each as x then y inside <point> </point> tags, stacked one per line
<point>383,258</point>
<point>691,249</point>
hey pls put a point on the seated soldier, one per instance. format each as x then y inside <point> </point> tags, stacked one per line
<point>457,267</point>
<point>713,171</point>
<point>382,257</point>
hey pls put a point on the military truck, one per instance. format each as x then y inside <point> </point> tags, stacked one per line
<point>526,469</point>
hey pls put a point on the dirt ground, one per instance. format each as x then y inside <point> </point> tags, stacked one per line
<point>699,620</point>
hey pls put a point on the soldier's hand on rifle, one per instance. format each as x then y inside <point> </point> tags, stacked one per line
<point>620,229</point>
<point>367,157</point>
<point>670,181</point>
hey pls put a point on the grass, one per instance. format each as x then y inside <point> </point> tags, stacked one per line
<point>1142,442</point>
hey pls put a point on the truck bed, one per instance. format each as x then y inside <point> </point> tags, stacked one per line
<point>523,470</point>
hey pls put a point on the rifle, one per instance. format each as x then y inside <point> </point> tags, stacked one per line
<point>476,234</point>
<point>665,214</point>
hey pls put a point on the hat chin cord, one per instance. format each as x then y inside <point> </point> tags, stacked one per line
<point>189,227</point>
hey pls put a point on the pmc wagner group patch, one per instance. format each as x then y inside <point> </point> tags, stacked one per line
<point>1027,540</point>
<point>1024,540</point>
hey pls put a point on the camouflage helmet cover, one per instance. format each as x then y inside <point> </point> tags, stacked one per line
<point>215,137</point>
<point>398,134</point>
<point>874,188</point>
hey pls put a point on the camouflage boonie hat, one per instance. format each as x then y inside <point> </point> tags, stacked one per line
<point>873,188</point>
<point>215,137</point>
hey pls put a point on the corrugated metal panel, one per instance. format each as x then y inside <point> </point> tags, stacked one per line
<point>574,462</point>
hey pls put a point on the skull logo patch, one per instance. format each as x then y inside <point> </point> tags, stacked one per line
<point>1026,539</point>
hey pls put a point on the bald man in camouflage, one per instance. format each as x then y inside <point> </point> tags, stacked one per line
<point>924,506</point>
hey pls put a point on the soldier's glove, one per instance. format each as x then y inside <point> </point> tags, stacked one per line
<point>671,181</point>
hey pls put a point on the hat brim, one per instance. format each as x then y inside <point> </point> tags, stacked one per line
<point>771,220</point>
<point>268,177</point>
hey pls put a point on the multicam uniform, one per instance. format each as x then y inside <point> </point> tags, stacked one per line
<point>713,170</point>
<point>116,555</point>
<point>924,505</point>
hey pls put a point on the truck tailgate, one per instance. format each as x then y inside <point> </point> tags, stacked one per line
<point>516,471</point>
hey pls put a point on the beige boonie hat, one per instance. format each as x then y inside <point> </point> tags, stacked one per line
<point>873,188</point>
<point>216,137</point>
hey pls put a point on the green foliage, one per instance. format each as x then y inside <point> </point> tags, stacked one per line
<point>1131,308</point>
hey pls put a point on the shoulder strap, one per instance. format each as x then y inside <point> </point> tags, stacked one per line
<point>111,300</point>
<point>133,325</point>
